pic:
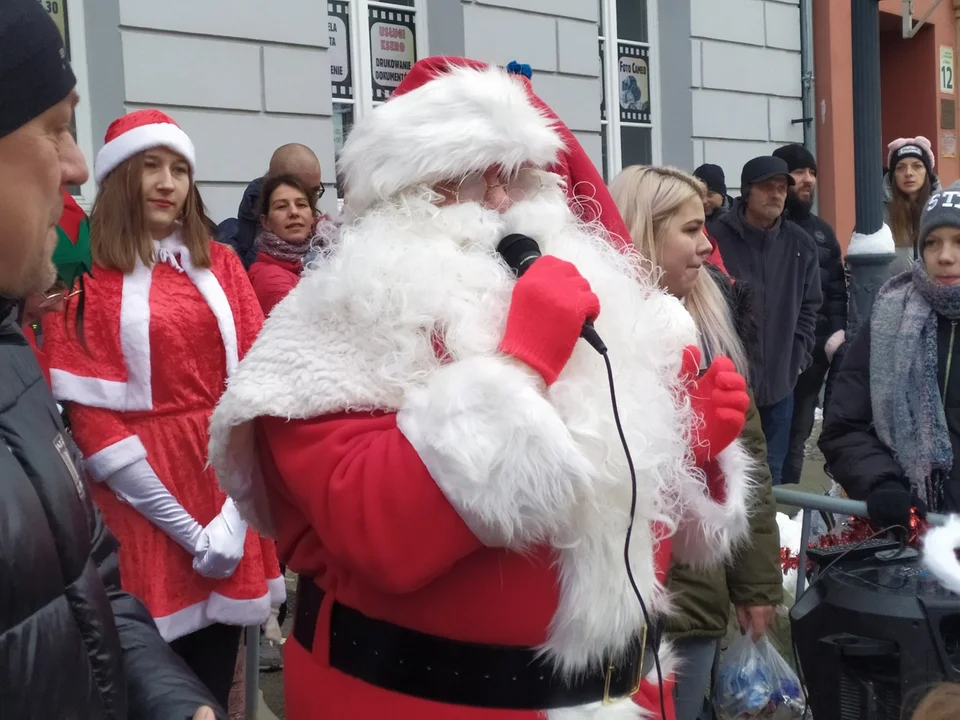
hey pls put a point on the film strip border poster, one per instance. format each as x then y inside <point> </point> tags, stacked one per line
<point>634,77</point>
<point>393,49</point>
<point>338,51</point>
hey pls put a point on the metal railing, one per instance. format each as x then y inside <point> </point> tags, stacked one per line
<point>810,503</point>
<point>807,502</point>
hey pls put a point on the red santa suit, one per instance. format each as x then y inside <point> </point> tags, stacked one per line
<point>459,526</point>
<point>158,346</point>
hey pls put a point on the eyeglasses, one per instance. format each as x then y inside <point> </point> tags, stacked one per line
<point>318,192</point>
<point>57,294</point>
<point>525,184</point>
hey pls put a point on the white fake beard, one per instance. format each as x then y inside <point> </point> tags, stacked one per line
<point>434,270</point>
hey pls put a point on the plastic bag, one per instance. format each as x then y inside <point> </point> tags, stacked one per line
<point>786,700</point>
<point>744,684</point>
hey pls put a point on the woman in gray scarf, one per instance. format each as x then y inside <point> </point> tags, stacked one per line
<point>892,432</point>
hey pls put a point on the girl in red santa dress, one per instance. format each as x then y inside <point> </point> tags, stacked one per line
<point>434,447</point>
<point>140,365</point>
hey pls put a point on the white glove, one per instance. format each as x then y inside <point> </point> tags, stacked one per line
<point>138,486</point>
<point>220,547</point>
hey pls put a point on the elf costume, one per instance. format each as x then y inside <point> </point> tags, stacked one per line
<point>158,346</point>
<point>71,257</point>
<point>435,450</point>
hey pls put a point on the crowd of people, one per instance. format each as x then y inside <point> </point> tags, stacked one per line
<point>402,412</point>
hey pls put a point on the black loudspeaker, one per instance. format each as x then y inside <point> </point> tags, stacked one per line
<point>873,637</point>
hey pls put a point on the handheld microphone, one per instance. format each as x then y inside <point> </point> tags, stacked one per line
<point>519,252</point>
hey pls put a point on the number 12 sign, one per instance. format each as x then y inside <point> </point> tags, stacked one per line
<point>946,70</point>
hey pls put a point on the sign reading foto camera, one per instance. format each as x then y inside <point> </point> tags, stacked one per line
<point>634,90</point>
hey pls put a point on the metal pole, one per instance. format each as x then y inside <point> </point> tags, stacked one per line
<point>826,503</point>
<point>867,140</point>
<point>805,529</point>
<point>252,685</point>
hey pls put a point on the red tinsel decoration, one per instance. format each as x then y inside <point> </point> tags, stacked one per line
<point>856,531</point>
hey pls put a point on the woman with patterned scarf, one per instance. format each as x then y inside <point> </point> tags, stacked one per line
<point>892,431</point>
<point>291,229</point>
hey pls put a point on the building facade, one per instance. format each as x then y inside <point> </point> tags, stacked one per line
<point>679,82</point>
<point>918,93</point>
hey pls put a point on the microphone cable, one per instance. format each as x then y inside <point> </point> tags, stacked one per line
<point>519,252</point>
<point>655,641</point>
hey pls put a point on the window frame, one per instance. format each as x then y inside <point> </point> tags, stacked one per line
<point>77,37</point>
<point>610,128</point>
<point>361,55</point>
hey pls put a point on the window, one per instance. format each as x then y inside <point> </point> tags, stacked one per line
<point>372,46</point>
<point>70,23</point>
<point>628,105</point>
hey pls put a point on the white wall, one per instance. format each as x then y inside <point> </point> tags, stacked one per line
<point>746,80</point>
<point>242,77</point>
<point>558,39</point>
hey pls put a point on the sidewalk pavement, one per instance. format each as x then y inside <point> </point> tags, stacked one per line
<point>263,712</point>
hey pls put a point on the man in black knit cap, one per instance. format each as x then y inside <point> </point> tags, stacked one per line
<point>717,202</point>
<point>833,312</point>
<point>72,643</point>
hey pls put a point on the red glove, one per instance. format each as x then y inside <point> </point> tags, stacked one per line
<point>719,399</point>
<point>550,303</point>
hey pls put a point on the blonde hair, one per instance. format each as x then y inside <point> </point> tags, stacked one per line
<point>648,198</point>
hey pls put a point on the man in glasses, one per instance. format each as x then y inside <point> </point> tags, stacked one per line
<point>72,643</point>
<point>292,159</point>
<point>433,446</point>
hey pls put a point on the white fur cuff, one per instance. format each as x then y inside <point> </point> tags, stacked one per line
<point>709,531</point>
<point>497,449</point>
<point>939,553</point>
<point>112,458</point>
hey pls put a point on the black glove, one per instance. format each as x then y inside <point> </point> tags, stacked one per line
<point>890,504</point>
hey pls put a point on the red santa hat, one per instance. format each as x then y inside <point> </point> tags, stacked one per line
<point>139,131</point>
<point>452,116</point>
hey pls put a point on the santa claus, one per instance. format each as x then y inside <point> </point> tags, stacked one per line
<point>437,454</point>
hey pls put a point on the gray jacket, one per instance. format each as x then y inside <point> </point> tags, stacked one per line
<point>780,266</point>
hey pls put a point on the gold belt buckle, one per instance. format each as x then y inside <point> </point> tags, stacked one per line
<point>637,677</point>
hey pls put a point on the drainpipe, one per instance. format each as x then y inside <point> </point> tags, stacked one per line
<point>871,248</point>
<point>808,95</point>
<point>807,76</point>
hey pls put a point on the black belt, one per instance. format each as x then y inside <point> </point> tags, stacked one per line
<point>456,672</point>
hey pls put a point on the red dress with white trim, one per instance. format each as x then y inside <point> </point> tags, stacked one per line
<point>158,346</point>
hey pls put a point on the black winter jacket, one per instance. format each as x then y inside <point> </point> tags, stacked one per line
<point>73,645</point>
<point>857,459</point>
<point>833,282</point>
<point>780,267</point>
<point>241,236</point>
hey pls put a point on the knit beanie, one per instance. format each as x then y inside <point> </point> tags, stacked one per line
<point>918,147</point>
<point>942,210</point>
<point>34,72</point>
<point>712,176</point>
<point>796,156</point>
